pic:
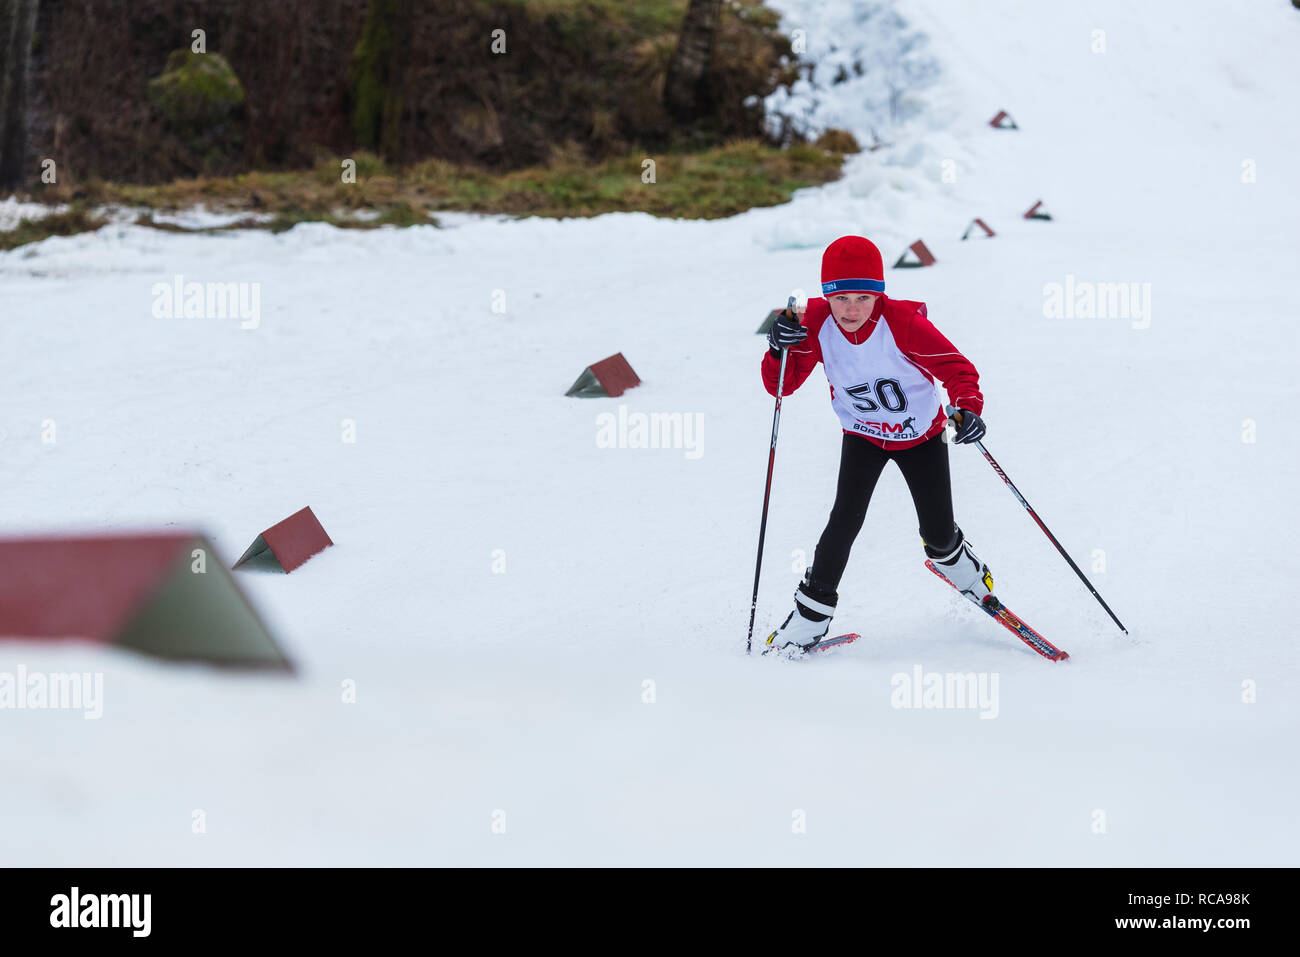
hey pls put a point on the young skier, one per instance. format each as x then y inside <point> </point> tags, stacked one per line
<point>882,357</point>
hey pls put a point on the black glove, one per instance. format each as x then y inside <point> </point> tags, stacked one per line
<point>970,429</point>
<point>785,332</point>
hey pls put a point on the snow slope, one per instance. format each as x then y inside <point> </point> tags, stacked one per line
<point>504,716</point>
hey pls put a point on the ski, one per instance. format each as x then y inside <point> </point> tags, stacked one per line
<point>1011,622</point>
<point>826,644</point>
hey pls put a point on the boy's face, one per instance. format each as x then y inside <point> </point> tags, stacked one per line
<point>852,309</point>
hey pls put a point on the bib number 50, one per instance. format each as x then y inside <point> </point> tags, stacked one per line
<point>888,394</point>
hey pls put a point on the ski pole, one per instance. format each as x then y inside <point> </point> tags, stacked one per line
<point>767,491</point>
<point>1034,515</point>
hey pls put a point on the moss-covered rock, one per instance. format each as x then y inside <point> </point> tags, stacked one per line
<point>202,104</point>
<point>196,90</point>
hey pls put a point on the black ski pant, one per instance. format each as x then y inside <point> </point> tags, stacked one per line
<point>924,468</point>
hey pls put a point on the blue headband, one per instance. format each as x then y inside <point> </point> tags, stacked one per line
<point>853,285</point>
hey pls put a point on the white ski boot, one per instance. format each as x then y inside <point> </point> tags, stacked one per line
<point>808,624</point>
<point>963,568</point>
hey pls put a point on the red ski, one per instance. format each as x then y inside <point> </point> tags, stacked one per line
<point>1011,622</point>
<point>826,644</point>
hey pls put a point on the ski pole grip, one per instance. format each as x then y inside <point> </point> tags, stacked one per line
<point>954,415</point>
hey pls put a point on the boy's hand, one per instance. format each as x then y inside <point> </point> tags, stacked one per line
<point>786,330</point>
<point>970,427</point>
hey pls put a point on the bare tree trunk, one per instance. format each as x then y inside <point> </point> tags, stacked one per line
<point>17,24</point>
<point>691,59</point>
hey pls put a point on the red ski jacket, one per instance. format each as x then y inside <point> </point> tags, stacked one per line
<point>882,372</point>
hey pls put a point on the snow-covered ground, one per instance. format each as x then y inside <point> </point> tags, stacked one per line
<point>13,211</point>
<point>546,636</point>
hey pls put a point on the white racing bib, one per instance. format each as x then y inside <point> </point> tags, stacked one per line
<point>875,390</point>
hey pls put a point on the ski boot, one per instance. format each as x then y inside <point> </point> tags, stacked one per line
<point>808,624</point>
<point>962,568</point>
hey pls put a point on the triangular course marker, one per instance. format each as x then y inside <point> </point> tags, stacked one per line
<point>978,224</point>
<point>609,377</point>
<point>1003,121</point>
<point>288,544</point>
<point>1037,212</point>
<point>766,325</point>
<point>167,595</point>
<point>923,257</point>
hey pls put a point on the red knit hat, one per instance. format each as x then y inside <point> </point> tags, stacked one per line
<point>852,264</point>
